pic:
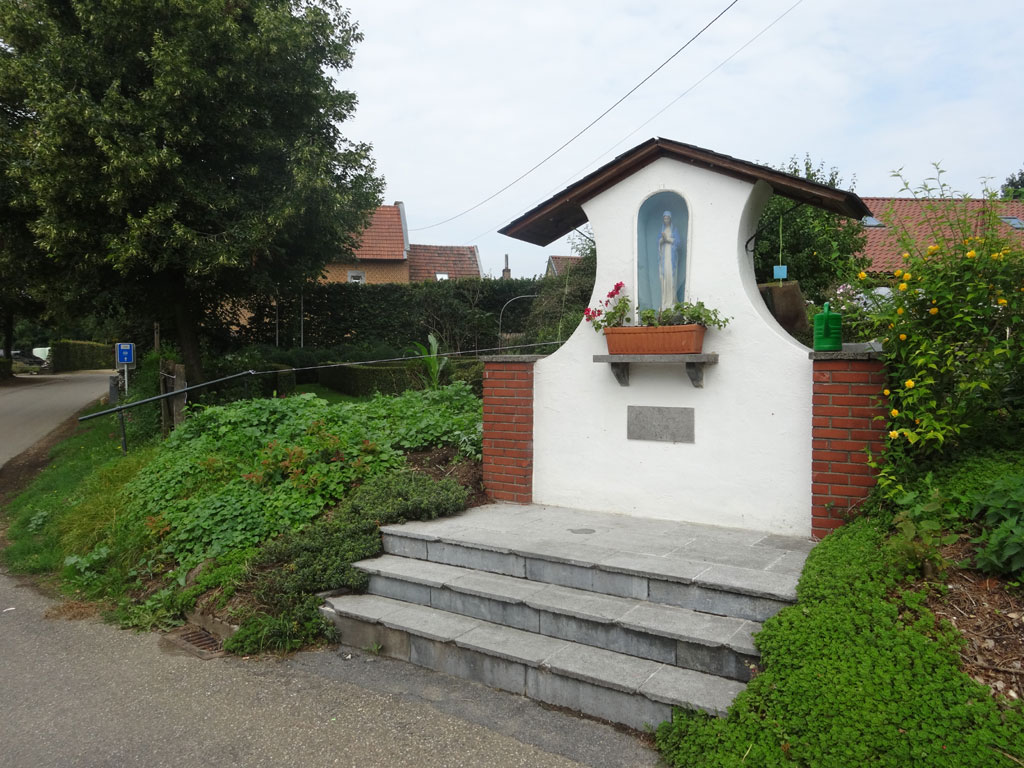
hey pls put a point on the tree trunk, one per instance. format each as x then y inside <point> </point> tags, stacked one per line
<point>188,340</point>
<point>8,333</point>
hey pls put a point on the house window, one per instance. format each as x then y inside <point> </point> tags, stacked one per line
<point>355,276</point>
<point>871,221</point>
<point>1013,221</point>
<point>441,275</point>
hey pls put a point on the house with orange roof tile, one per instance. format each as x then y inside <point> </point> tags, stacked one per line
<point>921,218</point>
<point>385,255</point>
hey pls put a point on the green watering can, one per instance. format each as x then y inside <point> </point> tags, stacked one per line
<point>828,331</point>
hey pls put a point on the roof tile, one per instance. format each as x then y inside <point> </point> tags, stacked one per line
<point>427,261</point>
<point>920,218</point>
<point>383,239</point>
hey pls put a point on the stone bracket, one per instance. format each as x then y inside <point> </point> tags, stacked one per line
<point>694,365</point>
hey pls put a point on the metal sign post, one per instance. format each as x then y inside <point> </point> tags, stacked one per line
<point>125,352</point>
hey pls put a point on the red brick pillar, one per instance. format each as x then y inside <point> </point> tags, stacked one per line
<point>847,399</point>
<point>508,427</point>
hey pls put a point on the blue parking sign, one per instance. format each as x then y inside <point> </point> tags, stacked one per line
<point>125,353</point>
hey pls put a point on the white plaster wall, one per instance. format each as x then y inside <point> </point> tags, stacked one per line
<point>750,464</point>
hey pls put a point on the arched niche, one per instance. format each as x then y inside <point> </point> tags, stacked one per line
<point>654,255</point>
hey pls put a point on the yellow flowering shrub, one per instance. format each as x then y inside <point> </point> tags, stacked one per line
<point>955,337</point>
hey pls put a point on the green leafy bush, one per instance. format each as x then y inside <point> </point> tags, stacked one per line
<point>1001,542</point>
<point>234,476</point>
<point>853,677</point>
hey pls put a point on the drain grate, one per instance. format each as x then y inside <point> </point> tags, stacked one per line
<point>196,641</point>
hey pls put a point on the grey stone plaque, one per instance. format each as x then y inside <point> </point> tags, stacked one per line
<point>666,425</point>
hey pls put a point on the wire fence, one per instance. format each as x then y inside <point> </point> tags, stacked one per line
<point>120,409</point>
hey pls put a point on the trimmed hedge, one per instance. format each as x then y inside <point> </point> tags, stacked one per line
<point>395,378</point>
<point>281,383</point>
<point>68,355</point>
<point>463,314</point>
<point>363,380</point>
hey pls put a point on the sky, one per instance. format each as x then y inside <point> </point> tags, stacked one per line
<point>460,98</point>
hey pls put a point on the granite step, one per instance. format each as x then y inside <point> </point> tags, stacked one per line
<point>680,637</point>
<point>598,682</point>
<point>743,574</point>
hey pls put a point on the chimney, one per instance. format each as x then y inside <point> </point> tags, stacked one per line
<point>506,273</point>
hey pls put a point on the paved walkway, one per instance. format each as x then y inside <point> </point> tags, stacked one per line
<point>35,405</point>
<point>85,694</point>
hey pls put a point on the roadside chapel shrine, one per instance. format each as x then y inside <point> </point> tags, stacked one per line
<point>727,437</point>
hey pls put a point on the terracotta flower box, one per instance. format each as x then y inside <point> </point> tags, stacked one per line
<point>658,340</point>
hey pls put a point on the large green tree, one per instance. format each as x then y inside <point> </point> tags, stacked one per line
<point>1013,187</point>
<point>183,152</point>
<point>819,248</point>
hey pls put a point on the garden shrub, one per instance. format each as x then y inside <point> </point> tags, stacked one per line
<point>953,347</point>
<point>402,496</point>
<point>6,368</point>
<point>851,677</point>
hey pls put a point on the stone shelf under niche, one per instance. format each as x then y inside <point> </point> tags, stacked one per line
<point>694,364</point>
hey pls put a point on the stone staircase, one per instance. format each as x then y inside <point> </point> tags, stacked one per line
<point>617,617</point>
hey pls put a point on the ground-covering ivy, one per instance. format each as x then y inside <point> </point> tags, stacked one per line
<point>288,572</point>
<point>857,673</point>
<point>235,476</point>
<point>186,516</point>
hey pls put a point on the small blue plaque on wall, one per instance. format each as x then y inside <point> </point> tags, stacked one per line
<point>780,271</point>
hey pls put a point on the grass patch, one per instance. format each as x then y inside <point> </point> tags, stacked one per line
<point>83,472</point>
<point>857,673</point>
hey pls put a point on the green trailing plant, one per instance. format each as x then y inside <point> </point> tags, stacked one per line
<point>616,311</point>
<point>684,313</point>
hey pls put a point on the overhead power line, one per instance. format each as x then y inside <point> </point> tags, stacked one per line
<point>710,72</point>
<point>672,103</point>
<point>587,127</point>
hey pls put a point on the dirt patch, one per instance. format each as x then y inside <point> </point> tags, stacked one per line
<point>990,616</point>
<point>445,462</point>
<point>73,610</point>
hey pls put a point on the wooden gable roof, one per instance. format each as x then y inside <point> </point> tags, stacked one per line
<point>562,213</point>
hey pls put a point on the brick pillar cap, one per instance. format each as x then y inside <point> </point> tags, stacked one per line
<point>871,350</point>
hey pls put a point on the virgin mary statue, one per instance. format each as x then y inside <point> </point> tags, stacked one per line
<point>669,246</point>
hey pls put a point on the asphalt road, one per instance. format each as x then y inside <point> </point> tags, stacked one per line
<point>35,405</point>
<point>83,694</point>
